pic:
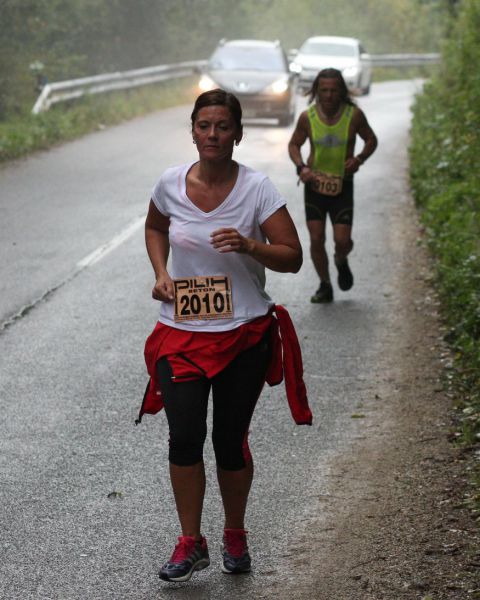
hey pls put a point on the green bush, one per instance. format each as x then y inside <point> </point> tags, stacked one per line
<point>66,121</point>
<point>400,73</point>
<point>445,165</point>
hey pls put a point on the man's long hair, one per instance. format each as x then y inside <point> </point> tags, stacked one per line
<point>330,74</point>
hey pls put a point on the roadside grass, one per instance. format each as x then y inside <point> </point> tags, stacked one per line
<point>399,73</point>
<point>445,163</point>
<point>26,133</point>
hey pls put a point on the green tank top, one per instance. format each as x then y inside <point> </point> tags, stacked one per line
<point>329,141</point>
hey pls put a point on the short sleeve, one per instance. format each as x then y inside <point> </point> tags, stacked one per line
<point>269,201</point>
<point>159,197</point>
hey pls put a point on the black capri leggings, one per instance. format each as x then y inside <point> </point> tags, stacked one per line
<point>235,391</point>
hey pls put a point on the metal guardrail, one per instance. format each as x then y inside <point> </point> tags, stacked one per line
<point>404,60</point>
<point>75,88</point>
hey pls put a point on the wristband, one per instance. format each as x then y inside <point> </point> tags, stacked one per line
<point>300,167</point>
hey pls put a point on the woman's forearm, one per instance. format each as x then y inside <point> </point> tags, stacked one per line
<point>158,248</point>
<point>277,257</point>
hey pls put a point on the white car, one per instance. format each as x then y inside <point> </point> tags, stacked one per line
<point>342,53</point>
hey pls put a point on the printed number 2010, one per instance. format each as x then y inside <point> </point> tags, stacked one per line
<point>194,304</point>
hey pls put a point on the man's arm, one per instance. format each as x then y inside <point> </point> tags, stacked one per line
<point>367,134</point>
<point>362,128</point>
<point>299,137</point>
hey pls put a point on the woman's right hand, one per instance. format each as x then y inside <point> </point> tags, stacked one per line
<point>163,289</point>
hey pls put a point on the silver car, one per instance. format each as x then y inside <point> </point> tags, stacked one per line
<point>257,72</point>
<point>342,53</point>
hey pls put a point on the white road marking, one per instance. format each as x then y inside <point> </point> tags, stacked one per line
<point>88,261</point>
<point>116,241</point>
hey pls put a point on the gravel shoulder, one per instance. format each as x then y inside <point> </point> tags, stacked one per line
<point>393,524</point>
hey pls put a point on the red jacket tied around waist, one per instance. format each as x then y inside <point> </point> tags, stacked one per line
<point>194,354</point>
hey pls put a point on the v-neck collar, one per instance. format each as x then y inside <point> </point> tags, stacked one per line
<point>227,199</point>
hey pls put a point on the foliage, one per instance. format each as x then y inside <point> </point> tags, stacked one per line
<point>401,73</point>
<point>23,135</point>
<point>85,37</point>
<point>445,162</point>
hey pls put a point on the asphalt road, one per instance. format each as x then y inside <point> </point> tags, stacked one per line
<point>75,309</point>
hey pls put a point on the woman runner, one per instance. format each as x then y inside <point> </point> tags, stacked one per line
<point>224,223</point>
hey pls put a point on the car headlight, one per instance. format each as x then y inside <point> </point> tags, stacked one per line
<point>350,71</point>
<point>278,87</point>
<point>206,83</point>
<point>295,67</point>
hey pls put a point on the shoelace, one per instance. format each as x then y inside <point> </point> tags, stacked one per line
<point>235,543</point>
<point>183,549</point>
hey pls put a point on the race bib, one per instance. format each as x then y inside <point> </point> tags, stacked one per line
<point>199,298</point>
<point>329,185</point>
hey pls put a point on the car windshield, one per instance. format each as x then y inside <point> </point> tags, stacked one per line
<point>248,58</point>
<point>328,49</point>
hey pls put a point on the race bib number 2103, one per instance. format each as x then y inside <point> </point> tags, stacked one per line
<point>199,298</point>
<point>329,185</point>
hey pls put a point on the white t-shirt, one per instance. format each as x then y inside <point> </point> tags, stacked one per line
<point>251,202</point>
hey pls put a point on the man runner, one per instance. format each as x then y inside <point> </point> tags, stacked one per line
<point>331,123</point>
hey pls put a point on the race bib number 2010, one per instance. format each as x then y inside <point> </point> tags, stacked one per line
<point>199,298</point>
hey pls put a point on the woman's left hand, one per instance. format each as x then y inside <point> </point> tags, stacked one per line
<point>228,239</point>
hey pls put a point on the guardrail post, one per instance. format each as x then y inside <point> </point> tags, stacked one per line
<point>42,101</point>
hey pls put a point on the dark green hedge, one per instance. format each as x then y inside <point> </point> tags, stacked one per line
<point>445,176</point>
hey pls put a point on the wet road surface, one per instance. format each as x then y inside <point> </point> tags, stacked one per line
<point>75,308</point>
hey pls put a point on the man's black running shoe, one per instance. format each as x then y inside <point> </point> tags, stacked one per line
<point>323,294</point>
<point>345,277</point>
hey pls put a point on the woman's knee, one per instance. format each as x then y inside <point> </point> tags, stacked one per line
<point>186,442</point>
<point>231,455</point>
<point>185,453</point>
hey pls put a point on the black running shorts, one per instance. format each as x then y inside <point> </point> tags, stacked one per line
<point>235,391</point>
<point>339,208</point>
